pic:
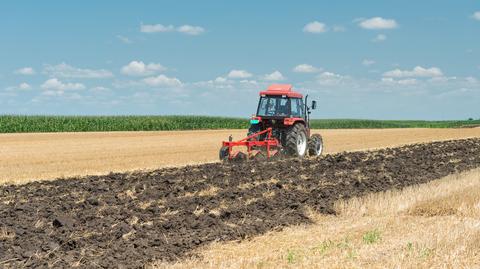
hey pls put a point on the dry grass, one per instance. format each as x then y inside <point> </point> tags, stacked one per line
<point>6,234</point>
<point>211,191</point>
<point>434,225</point>
<point>27,157</point>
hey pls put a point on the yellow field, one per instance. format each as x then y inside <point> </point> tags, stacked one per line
<point>27,157</point>
<point>434,225</point>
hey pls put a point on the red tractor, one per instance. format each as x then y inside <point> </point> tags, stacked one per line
<point>281,127</point>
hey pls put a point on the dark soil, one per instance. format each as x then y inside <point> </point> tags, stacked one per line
<point>130,219</point>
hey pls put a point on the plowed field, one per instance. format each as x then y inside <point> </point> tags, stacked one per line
<point>131,219</point>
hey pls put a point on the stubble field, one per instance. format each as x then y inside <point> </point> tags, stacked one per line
<point>348,209</point>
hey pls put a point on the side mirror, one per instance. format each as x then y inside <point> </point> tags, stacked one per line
<point>314,104</point>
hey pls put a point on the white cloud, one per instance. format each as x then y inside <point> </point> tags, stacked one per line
<point>156,28</point>
<point>22,87</point>
<point>190,30</point>
<point>329,75</point>
<point>408,81</point>
<point>339,28</point>
<point>162,80</point>
<point>275,76</point>
<point>52,93</point>
<point>160,28</point>
<point>25,71</point>
<point>239,74</point>
<point>221,85</point>
<point>403,82</point>
<point>315,27</point>
<point>380,38</point>
<point>441,79</point>
<point>306,68</point>
<point>368,62</point>
<point>67,71</point>
<point>220,80</point>
<point>476,16</point>
<point>471,80</point>
<point>329,78</point>
<point>139,68</point>
<point>388,80</point>
<point>124,39</point>
<point>418,71</point>
<point>57,85</point>
<point>250,82</point>
<point>378,23</point>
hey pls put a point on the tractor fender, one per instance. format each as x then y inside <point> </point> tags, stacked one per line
<point>292,121</point>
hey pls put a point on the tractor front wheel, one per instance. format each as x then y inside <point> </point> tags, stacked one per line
<point>315,145</point>
<point>254,128</point>
<point>296,141</point>
<point>223,154</point>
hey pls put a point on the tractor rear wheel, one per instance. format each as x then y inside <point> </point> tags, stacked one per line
<point>296,141</point>
<point>315,145</point>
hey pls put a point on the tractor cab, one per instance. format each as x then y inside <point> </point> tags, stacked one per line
<point>276,106</point>
<point>279,105</point>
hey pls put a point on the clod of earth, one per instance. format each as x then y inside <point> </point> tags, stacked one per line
<point>130,219</point>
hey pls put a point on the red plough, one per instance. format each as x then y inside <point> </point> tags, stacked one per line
<point>256,148</point>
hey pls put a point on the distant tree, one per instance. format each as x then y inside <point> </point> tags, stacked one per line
<point>470,118</point>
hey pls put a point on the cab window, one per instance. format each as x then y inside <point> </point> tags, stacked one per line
<point>274,106</point>
<point>297,107</point>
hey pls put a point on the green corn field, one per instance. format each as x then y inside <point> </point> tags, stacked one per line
<point>29,124</point>
<point>382,124</point>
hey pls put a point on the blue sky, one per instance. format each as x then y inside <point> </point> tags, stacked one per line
<point>358,59</point>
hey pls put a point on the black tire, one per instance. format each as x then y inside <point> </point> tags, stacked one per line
<point>255,128</point>
<point>223,154</point>
<point>296,143</point>
<point>315,145</point>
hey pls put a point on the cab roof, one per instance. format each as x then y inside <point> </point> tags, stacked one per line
<point>281,89</point>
